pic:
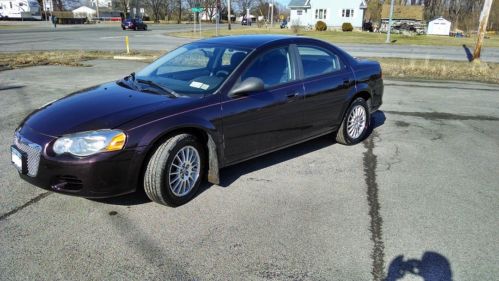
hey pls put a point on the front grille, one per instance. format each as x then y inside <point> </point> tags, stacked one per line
<point>33,152</point>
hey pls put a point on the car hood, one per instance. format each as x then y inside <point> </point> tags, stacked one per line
<point>101,107</point>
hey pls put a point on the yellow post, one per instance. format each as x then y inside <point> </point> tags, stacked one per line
<point>127,45</point>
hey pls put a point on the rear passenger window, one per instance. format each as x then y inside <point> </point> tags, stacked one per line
<point>317,61</point>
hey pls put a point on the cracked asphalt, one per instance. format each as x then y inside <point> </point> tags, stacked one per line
<point>417,200</point>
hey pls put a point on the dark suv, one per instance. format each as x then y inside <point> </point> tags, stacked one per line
<point>134,24</point>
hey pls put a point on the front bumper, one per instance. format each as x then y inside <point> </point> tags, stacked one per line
<point>98,176</point>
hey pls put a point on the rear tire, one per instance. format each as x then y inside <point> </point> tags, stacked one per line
<point>355,124</point>
<point>170,181</point>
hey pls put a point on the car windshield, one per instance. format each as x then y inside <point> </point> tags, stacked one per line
<point>194,69</point>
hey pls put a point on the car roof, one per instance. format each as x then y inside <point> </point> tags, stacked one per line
<point>248,41</point>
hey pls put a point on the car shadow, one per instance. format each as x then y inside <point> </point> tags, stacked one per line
<point>231,174</point>
<point>432,267</point>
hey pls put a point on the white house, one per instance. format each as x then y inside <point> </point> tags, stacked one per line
<point>17,9</point>
<point>84,12</point>
<point>439,26</point>
<point>333,12</point>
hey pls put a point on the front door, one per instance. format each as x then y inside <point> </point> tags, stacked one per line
<point>263,121</point>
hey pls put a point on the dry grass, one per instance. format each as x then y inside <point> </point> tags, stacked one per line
<point>68,58</point>
<point>439,70</point>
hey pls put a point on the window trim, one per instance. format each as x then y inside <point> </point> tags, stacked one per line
<point>343,66</point>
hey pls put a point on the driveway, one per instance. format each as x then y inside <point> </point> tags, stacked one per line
<point>419,195</point>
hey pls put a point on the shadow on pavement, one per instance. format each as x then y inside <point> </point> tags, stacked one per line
<point>10,88</point>
<point>469,55</point>
<point>432,267</point>
<point>230,174</point>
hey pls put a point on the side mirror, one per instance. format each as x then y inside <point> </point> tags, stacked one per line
<point>251,84</point>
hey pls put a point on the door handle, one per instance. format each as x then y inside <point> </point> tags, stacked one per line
<point>292,96</point>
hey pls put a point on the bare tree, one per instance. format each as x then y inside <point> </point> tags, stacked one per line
<point>243,5</point>
<point>157,8</point>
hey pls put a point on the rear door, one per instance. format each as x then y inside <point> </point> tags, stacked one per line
<point>327,83</point>
<point>263,121</point>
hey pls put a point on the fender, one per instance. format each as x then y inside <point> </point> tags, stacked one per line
<point>155,132</point>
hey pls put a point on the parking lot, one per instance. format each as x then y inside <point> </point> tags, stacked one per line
<point>422,187</point>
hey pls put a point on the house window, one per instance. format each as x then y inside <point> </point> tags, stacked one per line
<point>347,13</point>
<point>299,12</point>
<point>320,14</point>
<point>11,5</point>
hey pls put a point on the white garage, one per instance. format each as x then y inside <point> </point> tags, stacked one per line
<point>439,26</point>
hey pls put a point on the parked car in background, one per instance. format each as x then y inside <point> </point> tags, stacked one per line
<point>134,24</point>
<point>284,24</point>
<point>204,106</point>
<point>245,21</point>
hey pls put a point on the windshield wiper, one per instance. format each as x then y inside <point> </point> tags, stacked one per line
<point>168,91</point>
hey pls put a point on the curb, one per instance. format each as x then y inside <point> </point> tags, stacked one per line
<point>130,58</point>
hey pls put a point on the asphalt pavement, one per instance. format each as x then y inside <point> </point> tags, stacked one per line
<point>42,36</point>
<point>419,197</point>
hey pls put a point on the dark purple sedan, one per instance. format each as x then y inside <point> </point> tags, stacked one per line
<point>201,107</point>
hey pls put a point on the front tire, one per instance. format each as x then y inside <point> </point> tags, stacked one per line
<point>355,123</point>
<point>175,171</point>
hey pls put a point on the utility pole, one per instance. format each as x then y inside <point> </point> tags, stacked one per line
<point>390,22</point>
<point>97,8</point>
<point>228,11</point>
<point>482,28</point>
<point>272,15</point>
<point>137,11</point>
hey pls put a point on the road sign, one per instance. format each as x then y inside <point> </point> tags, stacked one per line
<point>197,10</point>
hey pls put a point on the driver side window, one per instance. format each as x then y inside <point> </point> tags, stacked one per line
<point>273,67</point>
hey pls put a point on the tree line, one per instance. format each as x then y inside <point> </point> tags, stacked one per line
<point>180,10</point>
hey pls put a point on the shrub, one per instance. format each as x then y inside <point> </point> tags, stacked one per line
<point>295,26</point>
<point>320,26</point>
<point>346,27</point>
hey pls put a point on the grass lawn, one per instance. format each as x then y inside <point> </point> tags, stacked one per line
<point>352,37</point>
<point>439,70</point>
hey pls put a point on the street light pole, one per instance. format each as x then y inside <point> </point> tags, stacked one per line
<point>390,22</point>
<point>228,11</point>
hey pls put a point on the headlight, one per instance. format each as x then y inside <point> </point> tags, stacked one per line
<point>88,143</point>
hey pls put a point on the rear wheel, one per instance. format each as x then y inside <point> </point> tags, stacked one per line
<point>355,123</point>
<point>175,171</point>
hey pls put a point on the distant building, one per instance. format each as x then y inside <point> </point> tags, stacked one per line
<point>333,13</point>
<point>84,12</point>
<point>17,9</point>
<point>439,26</point>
